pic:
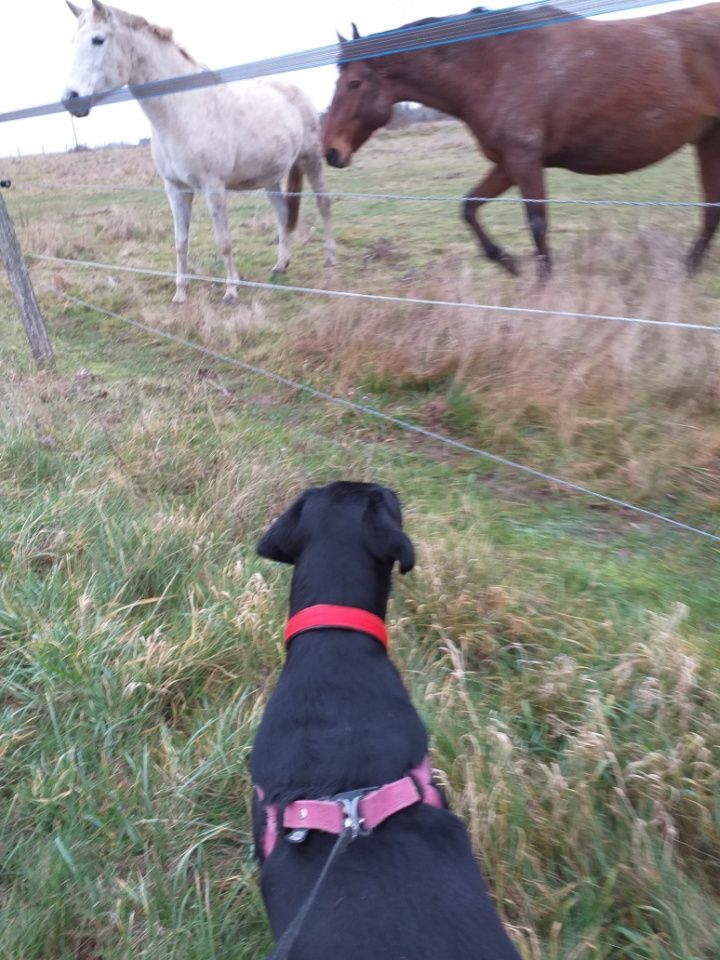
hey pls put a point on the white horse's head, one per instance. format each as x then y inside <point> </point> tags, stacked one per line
<point>102,55</point>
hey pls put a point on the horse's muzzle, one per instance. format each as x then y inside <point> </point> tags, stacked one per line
<point>336,159</point>
<point>75,104</point>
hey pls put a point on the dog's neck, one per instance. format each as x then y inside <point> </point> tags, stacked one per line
<point>319,578</point>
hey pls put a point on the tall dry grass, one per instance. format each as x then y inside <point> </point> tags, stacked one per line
<point>627,760</point>
<point>634,405</point>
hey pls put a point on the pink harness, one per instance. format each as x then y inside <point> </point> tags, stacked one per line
<point>358,811</point>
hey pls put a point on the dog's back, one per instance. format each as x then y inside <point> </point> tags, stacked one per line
<point>341,720</point>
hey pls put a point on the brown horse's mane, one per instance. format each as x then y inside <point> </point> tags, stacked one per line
<point>519,17</point>
<point>511,16</point>
<point>426,20</point>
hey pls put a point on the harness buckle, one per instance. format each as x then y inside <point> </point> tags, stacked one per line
<point>353,821</point>
<point>297,836</point>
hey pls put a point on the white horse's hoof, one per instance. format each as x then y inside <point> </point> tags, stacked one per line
<point>280,268</point>
<point>330,261</point>
<point>179,299</point>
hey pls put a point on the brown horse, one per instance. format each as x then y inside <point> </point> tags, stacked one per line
<point>594,97</point>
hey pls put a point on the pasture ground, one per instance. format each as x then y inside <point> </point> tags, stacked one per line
<point>564,655</point>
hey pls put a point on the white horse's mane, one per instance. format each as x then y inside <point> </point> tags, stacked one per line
<point>136,22</point>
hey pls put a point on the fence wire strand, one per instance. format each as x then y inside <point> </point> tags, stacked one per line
<point>475,25</point>
<point>409,197</point>
<point>405,425</point>
<point>518,311</point>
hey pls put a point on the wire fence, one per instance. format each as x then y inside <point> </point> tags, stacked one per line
<point>392,197</point>
<point>404,425</point>
<point>518,311</point>
<point>475,25</point>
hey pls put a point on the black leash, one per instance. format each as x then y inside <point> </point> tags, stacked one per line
<point>286,941</point>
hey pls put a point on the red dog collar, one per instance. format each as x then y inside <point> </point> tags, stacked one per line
<point>327,615</point>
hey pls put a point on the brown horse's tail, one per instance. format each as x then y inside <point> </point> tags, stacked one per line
<point>294,189</point>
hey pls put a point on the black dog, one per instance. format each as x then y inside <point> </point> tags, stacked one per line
<point>340,722</point>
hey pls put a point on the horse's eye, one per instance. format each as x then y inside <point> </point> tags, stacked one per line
<point>354,84</point>
<point>98,41</point>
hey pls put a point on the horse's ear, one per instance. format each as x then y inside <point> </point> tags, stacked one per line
<point>356,32</point>
<point>101,8</point>
<point>341,38</point>
<point>73,9</point>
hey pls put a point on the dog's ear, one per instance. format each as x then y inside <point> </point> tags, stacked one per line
<point>383,528</point>
<point>282,540</point>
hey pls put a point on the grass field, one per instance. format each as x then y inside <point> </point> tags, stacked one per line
<point>564,654</point>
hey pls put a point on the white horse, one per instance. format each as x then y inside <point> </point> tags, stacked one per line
<point>241,137</point>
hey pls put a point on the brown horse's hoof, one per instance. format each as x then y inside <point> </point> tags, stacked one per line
<point>693,261</point>
<point>544,269</point>
<point>507,262</point>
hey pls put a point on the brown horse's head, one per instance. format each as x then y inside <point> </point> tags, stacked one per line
<point>362,102</point>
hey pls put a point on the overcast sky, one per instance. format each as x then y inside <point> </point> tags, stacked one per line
<point>35,37</point>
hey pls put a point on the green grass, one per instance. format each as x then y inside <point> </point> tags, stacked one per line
<point>565,657</point>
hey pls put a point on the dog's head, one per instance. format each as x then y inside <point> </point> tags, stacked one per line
<point>340,521</point>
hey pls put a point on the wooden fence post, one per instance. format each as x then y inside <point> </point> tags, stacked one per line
<point>33,322</point>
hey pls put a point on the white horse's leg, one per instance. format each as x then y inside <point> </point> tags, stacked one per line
<point>216,200</point>
<point>277,199</point>
<point>313,168</point>
<point>181,201</point>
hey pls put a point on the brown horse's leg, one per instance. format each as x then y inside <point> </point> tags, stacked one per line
<point>531,183</point>
<point>538,221</point>
<point>708,150</point>
<point>492,185</point>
